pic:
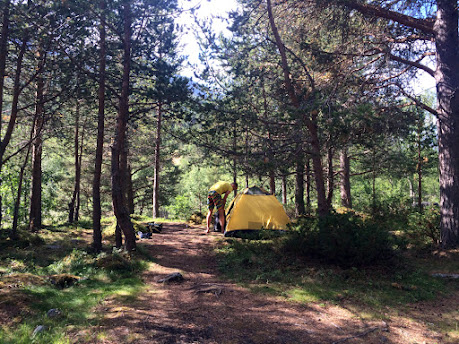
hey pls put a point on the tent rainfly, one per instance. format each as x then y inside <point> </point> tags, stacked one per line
<point>254,209</point>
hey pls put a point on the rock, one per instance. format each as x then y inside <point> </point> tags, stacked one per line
<point>54,313</point>
<point>39,329</point>
<point>175,277</point>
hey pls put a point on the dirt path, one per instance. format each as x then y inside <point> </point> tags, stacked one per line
<point>205,309</point>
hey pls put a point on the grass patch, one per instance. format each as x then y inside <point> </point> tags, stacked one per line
<point>264,267</point>
<point>29,283</point>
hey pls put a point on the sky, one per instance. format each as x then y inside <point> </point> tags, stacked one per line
<point>207,9</point>
<point>211,8</point>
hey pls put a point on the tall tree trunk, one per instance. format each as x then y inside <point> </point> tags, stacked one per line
<point>308,186</point>
<point>235,137</point>
<point>412,195</point>
<point>17,204</point>
<point>330,177</point>
<point>322,204</point>
<point>299,185</point>
<point>78,185</point>
<point>269,159</point>
<point>272,173</point>
<point>96,210</point>
<point>130,190</point>
<point>157,163</point>
<point>246,156</point>
<point>124,167</point>
<point>419,164</point>
<point>3,50</point>
<point>310,121</point>
<point>76,156</point>
<point>118,236</point>
<point>13,234</point>
<point>119,142</point>
<point>373,181</point>
<point>272,182</point>
<point>447,79</point>
<point>284,189</point>
<point>35,220</point>
<point>3,57</point>
<point>345,180</point>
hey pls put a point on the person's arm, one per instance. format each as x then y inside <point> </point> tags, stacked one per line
<point>226,196</point>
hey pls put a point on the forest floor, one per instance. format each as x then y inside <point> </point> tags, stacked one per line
<point>205,308</point>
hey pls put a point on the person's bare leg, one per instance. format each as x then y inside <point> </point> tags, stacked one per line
<point>221,217</point>
<point>209,216</point>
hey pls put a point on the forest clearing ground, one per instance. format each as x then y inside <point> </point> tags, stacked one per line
<point>205,308</point>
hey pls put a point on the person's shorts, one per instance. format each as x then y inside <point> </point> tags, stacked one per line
<point>214,199</point>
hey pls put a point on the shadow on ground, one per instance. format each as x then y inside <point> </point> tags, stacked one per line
<point>206,309</point>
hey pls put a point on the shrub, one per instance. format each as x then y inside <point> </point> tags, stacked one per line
<point>181,208</point>
<point>342,239</point>
<point>76,262</point>
<point>423,229</point>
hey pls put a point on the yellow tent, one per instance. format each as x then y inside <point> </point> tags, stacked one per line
<point>254,209</point>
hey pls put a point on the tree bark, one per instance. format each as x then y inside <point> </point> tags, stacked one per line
<point>309,120</point>
<point>14,107</point>
<point>272,182</point>
<point>425,25</point>
<point>299,186</point>
<point>308,186</point>
<point>345,185</point>
<point>35,219</point>
<point>157,164</point>
<point>76,147</point>
<point>4,51</point>
<point>118,236</point>
<point>96,210</point>
<point>373,182</point>
<point>445,32</point>
<point>330,177</point>
<point>246,155</point>
<point>13,234</point>
<point>130,190</point>
<point>119,142</point>
<point>235,137</point>
<point>447,79</point>
<point>3,57</point>
<point>17,204</point>
<point>284,189</point>
<point>78,185</point>
<point>419,164</point>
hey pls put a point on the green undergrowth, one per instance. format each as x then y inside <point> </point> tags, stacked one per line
<point>55,269</point>
<point>265,266</point>
<point>138,221</point>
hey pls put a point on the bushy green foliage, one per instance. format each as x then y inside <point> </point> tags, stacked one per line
<point>76,262</point>
<point>181,208</point>
<point>265,267</point>
<point>423,229</point>
<point>256,260</point>
<point>342,239</point>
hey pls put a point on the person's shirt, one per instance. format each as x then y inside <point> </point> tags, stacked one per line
<point>221,187</point>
